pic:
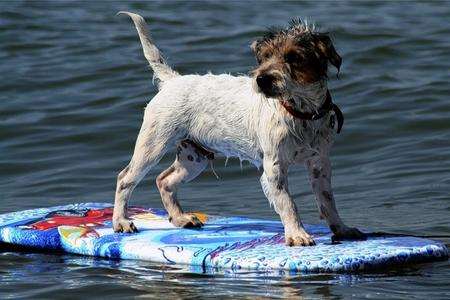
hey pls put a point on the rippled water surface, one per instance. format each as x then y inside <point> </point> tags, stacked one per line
<point>73,86</point>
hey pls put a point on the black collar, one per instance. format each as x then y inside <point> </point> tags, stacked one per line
<point>327,106</point>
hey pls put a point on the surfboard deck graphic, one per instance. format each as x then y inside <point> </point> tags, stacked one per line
<point>232,243</point>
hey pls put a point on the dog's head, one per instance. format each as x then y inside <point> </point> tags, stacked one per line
<point>292,57</point>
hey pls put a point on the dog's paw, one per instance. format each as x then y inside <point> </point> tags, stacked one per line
<point>349,234</point>
<point>301,239</point>
<point>124,225</point>
<point>186,220</point>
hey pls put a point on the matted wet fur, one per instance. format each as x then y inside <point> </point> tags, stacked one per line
<point>243,117</point>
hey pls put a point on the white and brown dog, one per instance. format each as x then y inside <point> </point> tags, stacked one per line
<point>283,115</point>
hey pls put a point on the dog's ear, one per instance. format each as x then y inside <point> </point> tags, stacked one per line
<point>255,45</point>
<point>326,47</point>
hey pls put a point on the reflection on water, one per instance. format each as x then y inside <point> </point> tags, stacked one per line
<point>81,275</point>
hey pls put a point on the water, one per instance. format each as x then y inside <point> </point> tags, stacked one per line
<point>74,84</point>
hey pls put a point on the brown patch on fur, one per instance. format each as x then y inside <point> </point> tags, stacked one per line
<point>200,150</point>
<point>323,212</point>
<point>280,185</point>
<point>163,175</point>
<point>126,185</point>
<point>123,172</point>
<point>327,196</point>
<point>284,55</point>
<point>334,228</point>
<point>316,173</point>
<point>295,51</point>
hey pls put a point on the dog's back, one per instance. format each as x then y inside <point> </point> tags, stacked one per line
<point>220,112</point>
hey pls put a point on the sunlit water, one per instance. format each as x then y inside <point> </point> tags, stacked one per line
<point>74,84</point>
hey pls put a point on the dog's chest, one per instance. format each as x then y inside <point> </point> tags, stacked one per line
<point>308,138</point>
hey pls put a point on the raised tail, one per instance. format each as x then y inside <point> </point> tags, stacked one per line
<point>161,70</point>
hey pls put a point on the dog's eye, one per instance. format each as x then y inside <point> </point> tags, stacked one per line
<point>266,56</point>
<point>292,57</point>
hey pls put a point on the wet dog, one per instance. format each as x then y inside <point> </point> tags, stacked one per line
<point>282,115</point>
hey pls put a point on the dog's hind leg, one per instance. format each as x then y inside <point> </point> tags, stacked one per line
<point>149,149</point>
<point>190,161</point>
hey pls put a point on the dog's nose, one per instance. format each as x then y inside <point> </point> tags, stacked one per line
<point>265,81</point>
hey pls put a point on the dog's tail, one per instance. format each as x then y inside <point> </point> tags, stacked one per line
<point>161,70</point>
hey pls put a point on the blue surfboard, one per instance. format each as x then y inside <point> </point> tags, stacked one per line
<point>233,243</point>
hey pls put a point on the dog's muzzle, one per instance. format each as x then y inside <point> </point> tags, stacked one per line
<point>266,84</point>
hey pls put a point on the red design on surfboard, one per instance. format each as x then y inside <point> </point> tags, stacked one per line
<point>80,218</point>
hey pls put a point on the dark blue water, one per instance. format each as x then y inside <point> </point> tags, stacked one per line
<point>73,86</point>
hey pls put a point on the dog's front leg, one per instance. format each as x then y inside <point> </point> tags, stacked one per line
<point>319,168</point>
<point>275,186</point>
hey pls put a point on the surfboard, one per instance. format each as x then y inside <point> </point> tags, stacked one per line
<point>232,243</point>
